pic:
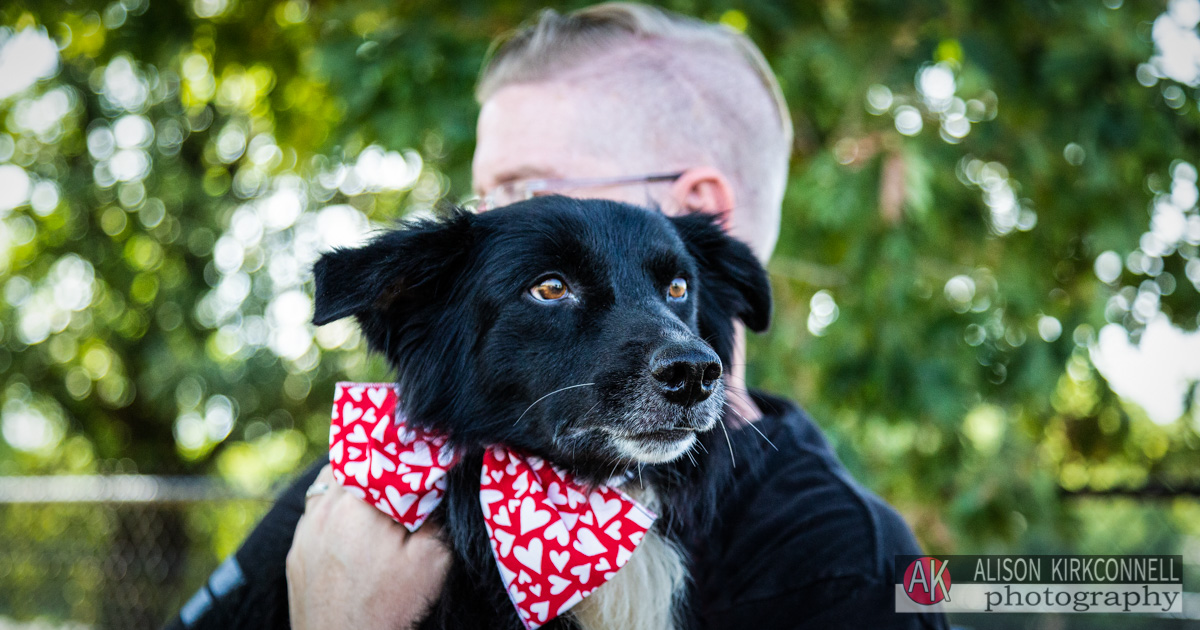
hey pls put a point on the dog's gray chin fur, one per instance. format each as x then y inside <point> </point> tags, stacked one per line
<point>648,450</point>
<point>653,451</point>
<point>631,446</point>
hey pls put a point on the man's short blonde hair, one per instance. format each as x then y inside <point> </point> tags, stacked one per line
<point>688,91</point>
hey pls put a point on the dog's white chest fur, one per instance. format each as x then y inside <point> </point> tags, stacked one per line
<point>642,595</point>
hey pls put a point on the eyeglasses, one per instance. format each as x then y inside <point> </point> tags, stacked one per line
<point>525,189</point>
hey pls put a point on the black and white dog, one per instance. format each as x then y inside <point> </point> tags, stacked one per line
<point>483,315</point>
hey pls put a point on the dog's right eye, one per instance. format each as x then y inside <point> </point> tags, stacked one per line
<point>550,290</point>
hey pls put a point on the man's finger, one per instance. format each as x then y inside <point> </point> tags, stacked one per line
<point>326,475</point>
<point>321,486</point>
<point>317,506</point>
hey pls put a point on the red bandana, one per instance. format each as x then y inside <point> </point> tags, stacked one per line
<point>555,540</point>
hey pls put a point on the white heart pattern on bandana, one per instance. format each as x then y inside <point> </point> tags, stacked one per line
<point>545,524</point>
<point>537,515</point>
<point>411,491</point>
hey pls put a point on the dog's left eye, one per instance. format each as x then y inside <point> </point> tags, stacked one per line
<point>550,290</point>
<point>678,289</point>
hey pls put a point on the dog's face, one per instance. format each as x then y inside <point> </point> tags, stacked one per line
<point>577,330</point>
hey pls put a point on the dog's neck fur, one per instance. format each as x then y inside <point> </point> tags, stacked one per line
<point>645,593</point>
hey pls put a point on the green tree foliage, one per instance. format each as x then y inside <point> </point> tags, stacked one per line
<point>981,191</point>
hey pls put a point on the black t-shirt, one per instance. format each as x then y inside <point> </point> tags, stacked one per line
<point>799,545</point>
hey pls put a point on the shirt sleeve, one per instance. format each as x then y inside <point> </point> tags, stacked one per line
<point>816,555</point>
<point>802,545</point>
<point>841,602</point>
<point>249,589</point>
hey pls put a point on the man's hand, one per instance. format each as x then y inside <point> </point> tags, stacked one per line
<point>350,566</point>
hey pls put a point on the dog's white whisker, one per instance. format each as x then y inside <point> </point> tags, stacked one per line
<point>701,445</point>
<point>689,456</point>
<point>547,396</point>
<point>729,442</point>
<point>751,425</point>
<point>689,453</point>
<point>763,436</point>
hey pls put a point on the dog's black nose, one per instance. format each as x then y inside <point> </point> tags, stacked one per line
<point>686,373</point>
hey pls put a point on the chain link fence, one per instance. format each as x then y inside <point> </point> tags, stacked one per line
<point>123,551</point>
<point>127,551</point>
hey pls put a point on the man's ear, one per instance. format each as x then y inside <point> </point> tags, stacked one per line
<point>404,264</point>
<point>702,189</point>
<point>732,281</point>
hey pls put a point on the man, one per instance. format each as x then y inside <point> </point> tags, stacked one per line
<point>623,102</point>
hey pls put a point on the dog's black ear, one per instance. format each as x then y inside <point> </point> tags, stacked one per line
<point>732,281</point>
<point>408,262</point>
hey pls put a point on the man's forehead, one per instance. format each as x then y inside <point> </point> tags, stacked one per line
<point>520,129</point>
<point>538,130</point>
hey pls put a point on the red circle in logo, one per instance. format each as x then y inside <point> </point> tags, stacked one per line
<point>927,581</point>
